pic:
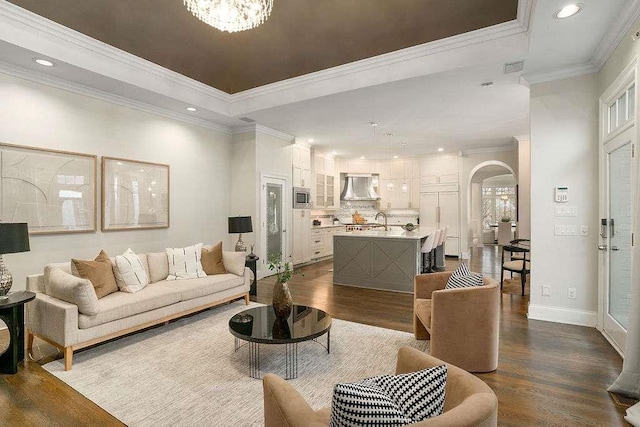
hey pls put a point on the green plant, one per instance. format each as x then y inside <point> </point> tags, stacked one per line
<point>506,219</point>
<point>283,269</point>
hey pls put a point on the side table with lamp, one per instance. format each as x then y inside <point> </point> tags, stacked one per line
<point>239,225</point>
<point>14,238</point>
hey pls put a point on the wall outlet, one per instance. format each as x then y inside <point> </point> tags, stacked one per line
<point>546,291</point>
<point>571,293</point>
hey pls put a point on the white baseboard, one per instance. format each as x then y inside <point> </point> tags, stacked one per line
<point>563,315</point>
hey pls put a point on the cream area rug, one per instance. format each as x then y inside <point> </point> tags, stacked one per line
<point>188,374</point>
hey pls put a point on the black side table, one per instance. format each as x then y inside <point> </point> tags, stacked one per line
<point>12,313</point>
<point>251,262</point>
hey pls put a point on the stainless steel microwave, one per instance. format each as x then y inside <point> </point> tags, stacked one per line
<point>301,198</point>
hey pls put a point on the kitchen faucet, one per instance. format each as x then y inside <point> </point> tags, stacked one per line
<point>386,228</point>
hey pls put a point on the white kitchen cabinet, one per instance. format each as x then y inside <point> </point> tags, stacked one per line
<point>301,235</point>
<point>438,170</point>
<point>322,241</point>
<point>439,210</point>
<point>301,162</point>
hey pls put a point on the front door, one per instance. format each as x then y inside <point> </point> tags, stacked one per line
<point>274,219</point>
<point>617,237</point>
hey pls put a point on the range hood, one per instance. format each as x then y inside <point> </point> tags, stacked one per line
<point>358,187</point>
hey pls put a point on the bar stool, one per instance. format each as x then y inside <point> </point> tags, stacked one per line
<point>426,249</point>
<point>440,249</point>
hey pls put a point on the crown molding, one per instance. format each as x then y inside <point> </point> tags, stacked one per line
<point>79,89</point>
<point>511,147</point>
<point>265,130</point>
<point>560,73</point>
<point>618,30</point>
<point>415,52</point>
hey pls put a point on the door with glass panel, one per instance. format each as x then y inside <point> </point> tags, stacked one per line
<point>274,219</point>
<point>616,230</point>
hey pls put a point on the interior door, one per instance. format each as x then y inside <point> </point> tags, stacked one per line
<point>617,237</point>
<point>274,219</point>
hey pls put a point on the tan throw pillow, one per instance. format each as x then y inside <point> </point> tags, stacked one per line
<point>99,272</point>
<point>212,260</point>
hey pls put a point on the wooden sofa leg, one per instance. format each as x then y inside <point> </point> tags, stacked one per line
<point>246,299</point>
<point>68,358</point>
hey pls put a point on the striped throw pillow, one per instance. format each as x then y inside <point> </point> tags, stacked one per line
<point>185,263</point>
<point>462,277</point>
<point>130,273</point>
<point>390,400</point>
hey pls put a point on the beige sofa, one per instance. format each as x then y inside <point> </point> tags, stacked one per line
<point>462,324</point>
<point>61,324</point>
<point>468,400</point>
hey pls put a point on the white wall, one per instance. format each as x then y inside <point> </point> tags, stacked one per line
<point>244,187</point>
<point>564,151</point>
<point>524,189</point>
<point>36,115</point>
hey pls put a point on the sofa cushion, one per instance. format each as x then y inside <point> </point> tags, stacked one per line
<point>422,309</point>
<point>130,273</point>
<point>119,305</point>
<point>64,266</point>
<point>72,289</point>
<point>212,259</point>
<point>234,262</point>
<point>462,277</point>
<point>158,266</point>
<point>195,288</point>
<point>185,263</point>
<point>390,400</point>
<point>99,272</point>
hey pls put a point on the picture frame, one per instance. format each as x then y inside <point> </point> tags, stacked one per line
<point>135,195</point>
<point>52,191</point>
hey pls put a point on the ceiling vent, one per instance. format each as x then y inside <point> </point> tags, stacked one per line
<point>513,67</point>
<point>247,119</point>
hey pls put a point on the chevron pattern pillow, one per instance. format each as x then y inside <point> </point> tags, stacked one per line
<point>390,400</point>
<point>462,277</point>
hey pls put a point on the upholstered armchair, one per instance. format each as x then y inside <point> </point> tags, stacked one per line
<point>468,400</point>
<point>462,324</point>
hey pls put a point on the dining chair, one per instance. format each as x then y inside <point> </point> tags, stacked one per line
<point>520,266</point>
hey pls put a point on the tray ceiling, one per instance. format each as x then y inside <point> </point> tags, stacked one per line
<point>300,37</point>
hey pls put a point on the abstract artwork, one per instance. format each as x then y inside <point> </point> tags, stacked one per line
<point>135,195</point>
<point>53,191</point>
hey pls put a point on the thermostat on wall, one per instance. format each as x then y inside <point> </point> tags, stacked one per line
<point>562,194</point>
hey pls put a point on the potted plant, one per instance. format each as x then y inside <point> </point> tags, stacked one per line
<point>281,301</point>
<point>506,219</point>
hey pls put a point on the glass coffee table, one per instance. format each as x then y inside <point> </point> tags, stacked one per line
<point>260,325</point>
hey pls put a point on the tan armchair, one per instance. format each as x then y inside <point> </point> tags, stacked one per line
<point>462,323</point>
<point>468,400</point>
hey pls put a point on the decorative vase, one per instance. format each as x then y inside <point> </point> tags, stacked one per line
<point>280,329</point>
<point>282,301</point>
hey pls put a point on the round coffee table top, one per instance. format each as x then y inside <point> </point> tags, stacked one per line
<point>261,325</point>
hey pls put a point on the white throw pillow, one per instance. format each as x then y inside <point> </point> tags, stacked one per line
<point>72,289</point>
<point>130,273</point>
<point>234,262</point>
<point>184,263</point>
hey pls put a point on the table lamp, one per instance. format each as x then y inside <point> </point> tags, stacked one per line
<point>14,237</point>
<point>240,224</point>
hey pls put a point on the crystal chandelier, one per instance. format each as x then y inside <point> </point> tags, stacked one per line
<point>231,15</point>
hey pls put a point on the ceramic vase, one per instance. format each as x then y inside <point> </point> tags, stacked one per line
<point>282,301</point>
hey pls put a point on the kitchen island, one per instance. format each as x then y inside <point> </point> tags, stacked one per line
<point>378,259</point>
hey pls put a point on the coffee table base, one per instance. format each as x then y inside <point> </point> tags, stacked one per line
<point>291,357</point>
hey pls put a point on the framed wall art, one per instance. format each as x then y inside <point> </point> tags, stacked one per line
<point>135,195</point>
<point>52,191</point>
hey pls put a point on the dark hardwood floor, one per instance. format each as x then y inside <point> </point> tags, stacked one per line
<point>549,374</point>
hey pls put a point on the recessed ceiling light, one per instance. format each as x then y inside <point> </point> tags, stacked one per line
<point>374,124</point>
<point>192,109</point>
<point>361,157</point>
<point>395,156</point>
<point>44,62</point>
<point>568,10</point>
<point>440,149</point>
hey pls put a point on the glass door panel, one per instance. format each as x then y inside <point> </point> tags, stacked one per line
<point>274,219</point>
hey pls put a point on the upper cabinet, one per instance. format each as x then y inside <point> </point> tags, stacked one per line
<point>439,171</point>
<point>301,161</point>
<point>399,184</point>
<point>326,190</point>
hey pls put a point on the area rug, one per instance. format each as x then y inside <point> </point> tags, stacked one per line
<point>187,373</point>
<point>514,286</point>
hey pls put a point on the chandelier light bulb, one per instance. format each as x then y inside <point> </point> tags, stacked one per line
<point>231,15</point>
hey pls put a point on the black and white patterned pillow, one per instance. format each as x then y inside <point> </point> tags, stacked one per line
<point>462,277</point>
<point>390,400</point>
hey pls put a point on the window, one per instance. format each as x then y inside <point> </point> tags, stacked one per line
<point>622,109</point>
<point>498,202</point>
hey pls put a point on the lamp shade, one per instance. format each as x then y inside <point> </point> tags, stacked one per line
<point>14,237</point>
<point>240,224</point>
